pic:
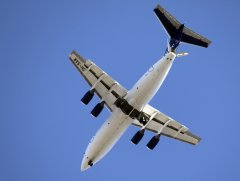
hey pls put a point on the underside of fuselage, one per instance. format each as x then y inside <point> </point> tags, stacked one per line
<point>127,106</point>
<point>141,93</point>
<point>105,138</point>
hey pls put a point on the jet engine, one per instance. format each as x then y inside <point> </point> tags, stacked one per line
<point>97,109</point>
<point>153,142</point>
<point>137,137</point>
<point>87,97</point>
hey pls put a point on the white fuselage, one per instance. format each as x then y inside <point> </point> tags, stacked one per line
<point>141,93</point>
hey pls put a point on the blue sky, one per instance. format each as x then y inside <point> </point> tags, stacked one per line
<point>44,129</point>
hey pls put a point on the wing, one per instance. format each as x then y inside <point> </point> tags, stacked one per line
<point>107,89</point>
<point>164,125</point>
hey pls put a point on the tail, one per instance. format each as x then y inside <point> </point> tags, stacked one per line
<point>178,32</point>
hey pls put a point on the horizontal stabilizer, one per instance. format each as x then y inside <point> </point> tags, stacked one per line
<point>178,31</point>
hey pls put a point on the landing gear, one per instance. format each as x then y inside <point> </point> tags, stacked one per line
<point>90,163</point>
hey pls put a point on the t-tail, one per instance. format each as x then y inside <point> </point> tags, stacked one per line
<point>178,32</point>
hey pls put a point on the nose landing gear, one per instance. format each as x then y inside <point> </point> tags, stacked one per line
<point>90,163</point>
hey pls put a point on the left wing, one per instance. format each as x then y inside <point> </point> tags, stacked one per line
<point>162,124</point>
<point>107,89</point>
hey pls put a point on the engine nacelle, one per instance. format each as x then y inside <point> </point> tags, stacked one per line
<point>137,137</point>
<point>153,142</point>
<point>87,97</point>
<point>97,109</point>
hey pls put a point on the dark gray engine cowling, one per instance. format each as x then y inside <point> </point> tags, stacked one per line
<point>97,109</point>
<point>137,137</point>
<point>87,97</point>
<point>153,142</point>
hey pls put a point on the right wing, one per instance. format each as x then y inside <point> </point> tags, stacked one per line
<point>107,89</point>
<point>172,128</point>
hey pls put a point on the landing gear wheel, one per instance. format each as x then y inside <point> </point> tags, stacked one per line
<point>90,163</point>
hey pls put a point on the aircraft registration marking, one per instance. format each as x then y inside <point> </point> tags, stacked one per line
<point>79,65</point>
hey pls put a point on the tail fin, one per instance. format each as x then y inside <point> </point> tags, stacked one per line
<point>177,31</point>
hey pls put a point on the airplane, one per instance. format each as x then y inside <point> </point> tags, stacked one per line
<point>130,107</point>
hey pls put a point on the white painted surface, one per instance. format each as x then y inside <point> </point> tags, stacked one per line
<point>141,93</point>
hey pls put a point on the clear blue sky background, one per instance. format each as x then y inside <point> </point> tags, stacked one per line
<point>44,129</point>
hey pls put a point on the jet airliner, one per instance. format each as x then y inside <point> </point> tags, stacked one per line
<point>130,107</point>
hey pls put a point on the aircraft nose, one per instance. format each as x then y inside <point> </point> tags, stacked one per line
<point>86,163</point>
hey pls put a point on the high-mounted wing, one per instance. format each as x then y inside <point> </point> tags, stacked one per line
<point>162,124</point>
<point>101,83</point>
